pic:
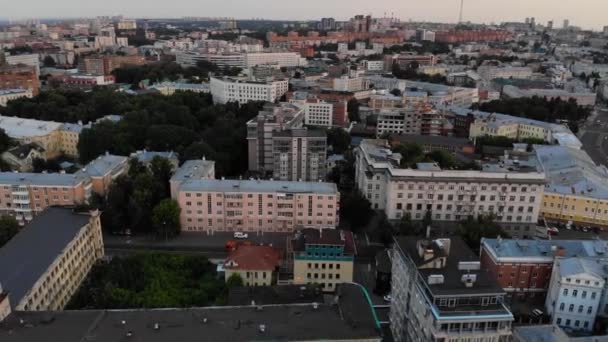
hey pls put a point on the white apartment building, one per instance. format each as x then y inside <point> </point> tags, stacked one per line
<point>228,89</point>
<point>189,59</point>
<point>282,59</point>
<point>13,94</point>
<point>441,294</point>
<point>319,114</point>
<point>450,195</point>
<point>577,292</point>
<point>489,73</point>
<point>374,66</point>
<point>398,120</point>
<point>346,83</point>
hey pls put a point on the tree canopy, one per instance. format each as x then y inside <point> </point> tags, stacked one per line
<point>473,229</point>
<point>165,218</point>
<point>154,280</point>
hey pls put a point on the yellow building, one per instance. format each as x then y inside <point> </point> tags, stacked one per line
<point>324,257</point>
<point>577,189</point>
<point>45,263</point>
<point>511,127</point>
<point>256,265</point>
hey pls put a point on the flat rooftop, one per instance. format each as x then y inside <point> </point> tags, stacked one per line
<point>21,128</point>
<point>216,185</point>
<point>458,252</point>
<point>25,258</point>
<point>350,319</point>
<point>193,170</point>
<point>41,179</point>
<point>543,250</point>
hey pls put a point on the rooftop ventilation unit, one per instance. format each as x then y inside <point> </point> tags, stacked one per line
<point>469,265</point>
<point>469,279</point>
<point>435,279</point>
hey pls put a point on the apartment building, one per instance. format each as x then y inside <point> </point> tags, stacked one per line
<point>54,137</point>
<point>282,59</point>
<point>384,101</point>
<point>441,293</point>
<point>577,293</point>
<point>406,60</point>
<point>225,59</point>
<point>488,72</point>
<point>479,124</point>
<point>346,83</point>
<point>19,77</point>
<point>104,65</point>
<point>255,206</point>
<point>31,59</point>
<point>319,113</point>
<point>256,265</point>
<point>227,89</point>
<point>450,195</point>
<point>103,170</point>
<point>325,257</point>
<point>413,118</point>
<point>299,155</point>
<point>45,263</point>
<point>432,143</point>
<point>524,267</point>
<point>283,116</point>
<point>13,94</point>
<point>189,171</point>
<point>347,317</point>
<point>464,36</point>
<point>388,83</point>
<point>577,189</point>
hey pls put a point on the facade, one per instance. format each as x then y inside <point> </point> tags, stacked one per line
<point>347,317</point>
<point>576,293</point>
<point>104,65</point>
<point>283,116</point>
<point>405,60</point>
<point>256,265</point>
<point>41,271</point>
<point>346,83</point>
<point>489,73</point>
<point>19,77</point>
<point>524,268</point>
<point>450,195</point>
<point>384,101</point>
<point>21,158</point>
<point>299,155</point>
<point>226,90</point>
<point>583,97</point>
<point>13,94</point>
<point>189,171</point>
<point>465,36</point>
<point>169,88</point>
<point>32,59</point>
<point>282,59</point>
<point>318,113</point>
<point>103,170</point>
<point>255,206</point>
<point>54,137</point>
<point>325,257</point>
<point>441,293</point>
<point>434,143</point>
<point>414,118</point>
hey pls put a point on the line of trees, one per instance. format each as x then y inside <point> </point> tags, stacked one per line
<point>170,71</point>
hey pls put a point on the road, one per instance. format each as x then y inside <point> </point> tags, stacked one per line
<point>594,136</point>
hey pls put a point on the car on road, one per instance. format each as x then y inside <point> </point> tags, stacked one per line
<point>240,235</point>
<point>537,313</point>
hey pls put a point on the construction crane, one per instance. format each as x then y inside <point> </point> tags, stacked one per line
<point>460,15</point>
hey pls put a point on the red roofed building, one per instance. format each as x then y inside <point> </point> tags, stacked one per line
<point>257,265</point>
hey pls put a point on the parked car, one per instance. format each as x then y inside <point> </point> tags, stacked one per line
<point>537,313</point>
<point>387,298</point>
<point>240,235</point>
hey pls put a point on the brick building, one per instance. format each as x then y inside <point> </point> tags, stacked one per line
<point>523,267</point>
<point>19,77</point>
<point>463,36</point>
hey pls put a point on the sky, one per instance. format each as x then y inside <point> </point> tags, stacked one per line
<point>584,13</point>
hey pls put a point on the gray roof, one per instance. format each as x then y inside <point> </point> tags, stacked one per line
<point>574,266</point>
<point>104,164</point>
<point>25,258</point>
<point>431,139</point>
<point>19,128</point>
<point>540,333</point>
<point>457,252</point>
<point>41,179</point>
<point>147,156</point>
<point>572,172</point>
<point>193,170</point>
<point>215,185</point>
<point>350,319</point>
<point>540,250</point>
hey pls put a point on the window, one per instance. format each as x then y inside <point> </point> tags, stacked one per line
<point>571,308</point>
<point>589,310</point>
<point>574,293</point>
<point>584,294</point>
<point>592,295</point>
<point>561,307</point>
<point>580,309</point>
<point>558,321</point>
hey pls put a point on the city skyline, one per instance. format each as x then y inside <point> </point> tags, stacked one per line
<point>479,11</point>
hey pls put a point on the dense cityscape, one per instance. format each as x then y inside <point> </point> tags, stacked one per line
<point>369,179</point>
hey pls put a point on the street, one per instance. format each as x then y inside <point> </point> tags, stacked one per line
<point>594,136</point>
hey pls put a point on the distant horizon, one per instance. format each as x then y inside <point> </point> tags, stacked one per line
<point>588,14</point>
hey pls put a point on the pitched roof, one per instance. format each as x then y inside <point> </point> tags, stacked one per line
<point>253,258</point>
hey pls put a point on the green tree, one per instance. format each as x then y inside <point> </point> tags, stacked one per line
<point>338,139</point>
<point>9,227</point>
<point>443,158</point>
<point>353,110</point>
<point>165,218</point>
<point>411,154</point>
<point>406,226</point>
<point>473,229</point>
<point>235,280</point>
<point>48,61</point>
<point>355,209</point>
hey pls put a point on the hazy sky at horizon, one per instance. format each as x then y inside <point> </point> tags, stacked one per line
<point>584,13</point>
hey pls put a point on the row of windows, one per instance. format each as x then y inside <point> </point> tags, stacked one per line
<point>575,293</point>
<point>567,323</point>
<point>323,266</point>
<point>580,308</point>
